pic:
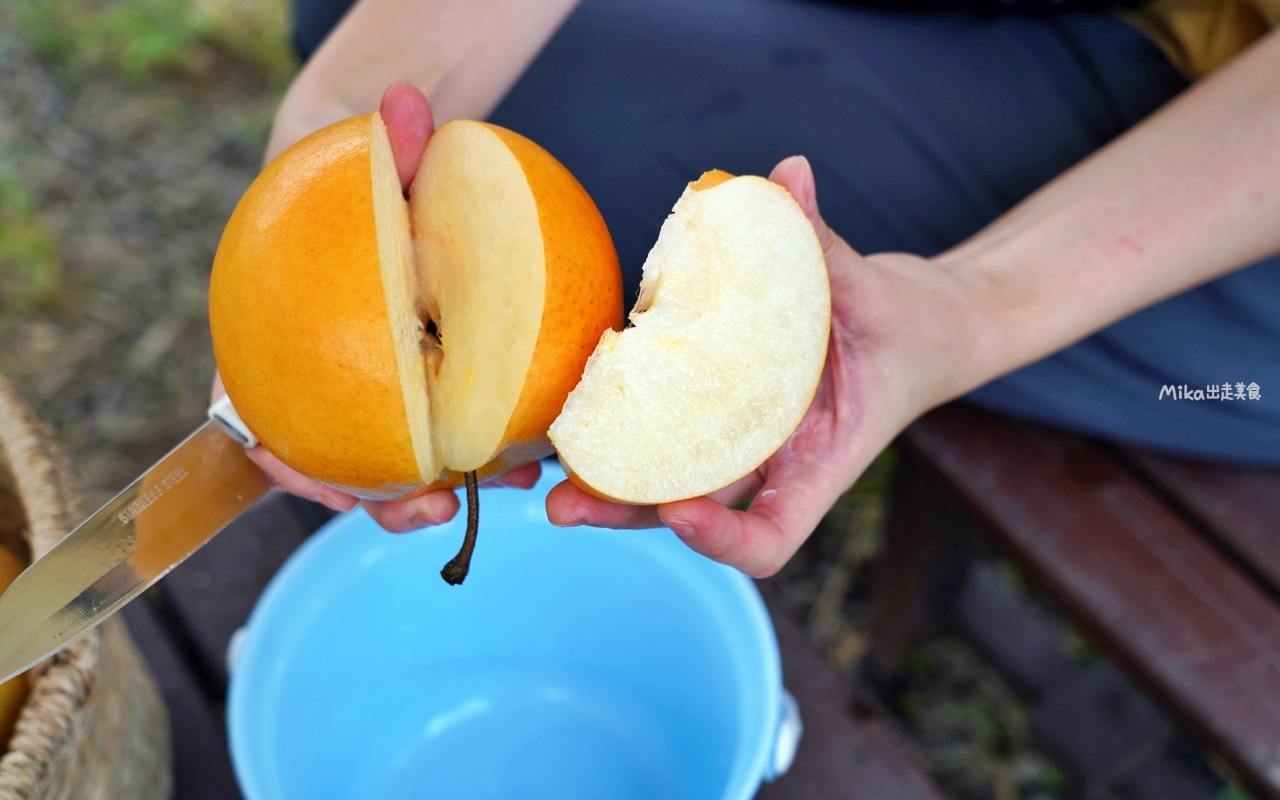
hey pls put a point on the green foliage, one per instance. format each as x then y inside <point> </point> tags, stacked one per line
<point>30,271</point>
<point>40,25</point>
<point>924,667</point>
<point>1055,779</point>
<point>137,39</point>
<point>1233,792</point>
<point>256,33</point>
<point>1083,649</point>
<point>144,39</point>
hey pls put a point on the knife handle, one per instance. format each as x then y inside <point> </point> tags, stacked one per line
<point>225,416</point>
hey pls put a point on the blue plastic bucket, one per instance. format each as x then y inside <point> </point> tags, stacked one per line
<point>575,663</point>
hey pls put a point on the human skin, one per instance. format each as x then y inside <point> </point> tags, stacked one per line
<point>1188,195</point>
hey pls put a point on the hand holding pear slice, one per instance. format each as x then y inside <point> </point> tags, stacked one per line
<point>723,355</point>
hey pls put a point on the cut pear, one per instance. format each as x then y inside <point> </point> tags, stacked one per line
<point>464,273</point>
<point>723,356</point>
<point>387,347</point>
<point>494,227</point>
<point>482,275</point>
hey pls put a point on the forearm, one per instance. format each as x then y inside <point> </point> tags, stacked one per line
<point>1187,196</point>
<point>464,55</point>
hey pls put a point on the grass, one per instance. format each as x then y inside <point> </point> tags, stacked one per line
<point>146,40</point>
<point>128,130</point>
<point>30,270</point>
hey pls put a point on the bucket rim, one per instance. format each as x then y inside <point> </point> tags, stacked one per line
<point>753,764</point>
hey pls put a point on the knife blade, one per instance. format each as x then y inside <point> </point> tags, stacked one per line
<point>165,515</point>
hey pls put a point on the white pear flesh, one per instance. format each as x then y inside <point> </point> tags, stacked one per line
<point>400,287</point>
<point>722,358</point>
<point>481,274</point>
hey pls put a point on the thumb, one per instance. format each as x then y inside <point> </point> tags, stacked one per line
<point>796,176</point>
<point>407,115</point>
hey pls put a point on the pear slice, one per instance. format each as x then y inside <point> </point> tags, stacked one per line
<point>482,276</point>
<point>409,338</point>
<point>723,355</point>
<point>499,275</point>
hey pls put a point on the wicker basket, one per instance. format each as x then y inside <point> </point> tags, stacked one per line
<point>93,727</point>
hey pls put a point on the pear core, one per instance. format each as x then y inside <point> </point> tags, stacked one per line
<point>446,269</point>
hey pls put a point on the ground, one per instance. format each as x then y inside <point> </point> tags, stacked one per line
<point>128,130</point>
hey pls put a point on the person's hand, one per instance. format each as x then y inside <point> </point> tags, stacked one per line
<point>895,348</point>
<point>408,118</point>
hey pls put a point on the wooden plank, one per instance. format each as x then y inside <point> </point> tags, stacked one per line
<point>1170,778</point>
<point>1022,648</point>
<point>201,763</point>
<point>1241,507</point>
<point>840,756</point>
<point>212,593</point>
<point>925,554</point>
<point>1202,636</point>
<point>1106,732</point>
<point>1092,720</point>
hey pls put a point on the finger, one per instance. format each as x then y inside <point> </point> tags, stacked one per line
<point>760,540</point>
<point>424,510</point>
<point>286,478</point>
<point>796,176</point>
<point>437,508</point>
<point>522,477</point>
<point>752,543</point>
<point>407,115</point>
<point>739,490</point>
<point>295,482</point>
<point>567,505</point>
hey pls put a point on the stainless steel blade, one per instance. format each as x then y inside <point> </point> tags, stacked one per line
<point>126,546</point>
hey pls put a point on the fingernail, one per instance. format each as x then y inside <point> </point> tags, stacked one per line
<point>429,514</point>
<point>425,519</point>
<point>336,501</point>
<point>682,528</point>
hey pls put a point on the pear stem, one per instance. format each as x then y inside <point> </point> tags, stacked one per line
<point>455,572</point>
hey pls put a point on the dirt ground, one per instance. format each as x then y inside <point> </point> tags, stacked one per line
<point>118,168</point>
<point>128,131</point>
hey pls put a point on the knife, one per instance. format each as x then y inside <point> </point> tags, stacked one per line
<point>165,515</point>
